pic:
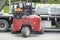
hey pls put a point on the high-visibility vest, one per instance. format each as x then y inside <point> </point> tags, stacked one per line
<point>18,9</point>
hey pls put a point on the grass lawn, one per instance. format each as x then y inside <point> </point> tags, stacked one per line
<point>6,9</point>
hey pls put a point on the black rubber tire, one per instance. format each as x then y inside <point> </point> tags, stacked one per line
<point>13,32</point>
<point>25,31</point>
<point>58,24</point>
<point>42,30</point>
<point>6,27</point>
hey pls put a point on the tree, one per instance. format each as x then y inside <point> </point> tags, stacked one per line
<point>55,0</point>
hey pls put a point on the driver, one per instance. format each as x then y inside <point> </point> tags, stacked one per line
<point>18,12</point>
<point>18,9</point>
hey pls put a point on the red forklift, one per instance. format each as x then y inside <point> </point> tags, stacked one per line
<point>25,21</point>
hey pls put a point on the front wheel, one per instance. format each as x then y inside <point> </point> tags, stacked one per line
<point>25,31</point>
<point>42,30</point>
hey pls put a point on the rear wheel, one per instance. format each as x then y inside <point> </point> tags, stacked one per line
<point>12,30</point>
<point>25,31</point>
<point>4,25</point>
<point>42,30</point>
<point>58,24</point>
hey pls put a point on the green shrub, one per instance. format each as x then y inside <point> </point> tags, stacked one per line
<point>6,9</point>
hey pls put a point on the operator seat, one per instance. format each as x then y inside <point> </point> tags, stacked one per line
<point>18,12</point>
<point>27,10</point>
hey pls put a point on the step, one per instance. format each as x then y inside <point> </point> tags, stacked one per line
<point>51,29</point>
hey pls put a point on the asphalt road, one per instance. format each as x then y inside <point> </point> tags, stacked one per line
<point>45,36</point>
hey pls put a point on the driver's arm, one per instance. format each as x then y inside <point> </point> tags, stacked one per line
<point>18,10</point>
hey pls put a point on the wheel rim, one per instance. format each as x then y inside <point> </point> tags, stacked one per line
<point>2,26</point>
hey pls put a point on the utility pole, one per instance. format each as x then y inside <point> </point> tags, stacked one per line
<point>20,0</point>
<point>43,1</point>
<point>9,2</point>
<point>27,0</point>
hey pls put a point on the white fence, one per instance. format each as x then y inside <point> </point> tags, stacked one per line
<point>48,9</point>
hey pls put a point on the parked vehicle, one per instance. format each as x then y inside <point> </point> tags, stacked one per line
<point>50,14</point>
<point>25,21</point>
<point>21,18</point>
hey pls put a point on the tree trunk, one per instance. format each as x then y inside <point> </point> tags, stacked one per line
<point>43,1</point>
<point>55,0</point>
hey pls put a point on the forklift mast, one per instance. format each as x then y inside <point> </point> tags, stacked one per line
<point>27,9</point>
